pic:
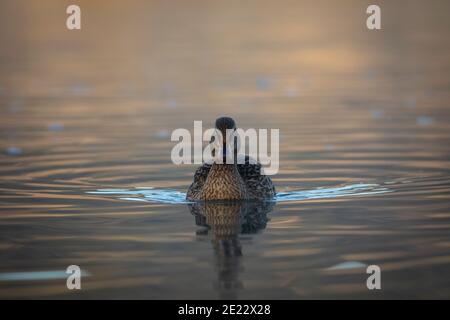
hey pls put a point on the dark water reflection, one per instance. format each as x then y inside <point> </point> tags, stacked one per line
<point>224,223</point>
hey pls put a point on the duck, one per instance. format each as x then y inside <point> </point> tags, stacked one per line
<point>235,181</point>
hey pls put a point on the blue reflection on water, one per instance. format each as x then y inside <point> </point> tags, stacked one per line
<point>150,194</point>
<point>37,275</point>
<point>327,193</point>
<point>147,194</point>
<point>348,265</point>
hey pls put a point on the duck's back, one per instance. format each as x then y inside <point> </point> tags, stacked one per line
<point>259,186</point>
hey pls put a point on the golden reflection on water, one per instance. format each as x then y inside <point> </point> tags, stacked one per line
<point>95,108</point>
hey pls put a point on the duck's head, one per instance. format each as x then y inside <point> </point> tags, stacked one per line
<point>223,124</point>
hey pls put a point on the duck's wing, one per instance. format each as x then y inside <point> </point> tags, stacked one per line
<point>259,185</point>
<point>199,179</point>
<point>250,168</point>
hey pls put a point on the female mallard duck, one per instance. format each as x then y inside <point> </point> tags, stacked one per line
<point>222,181</point>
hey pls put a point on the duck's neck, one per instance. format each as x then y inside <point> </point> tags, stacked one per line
<point>224,183</point>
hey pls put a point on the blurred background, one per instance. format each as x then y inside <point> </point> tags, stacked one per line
<point>139,69</point>
<point>94,108</point>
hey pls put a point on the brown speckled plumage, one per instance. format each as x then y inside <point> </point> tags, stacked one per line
<point>230,181</point>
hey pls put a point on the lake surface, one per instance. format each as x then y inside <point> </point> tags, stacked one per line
<point>85,171</point>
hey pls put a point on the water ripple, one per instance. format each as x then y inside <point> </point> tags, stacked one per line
<point>171,196</point>
<point>147,194</point>
<point>328,193</point>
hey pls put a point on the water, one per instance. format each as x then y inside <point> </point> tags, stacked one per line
<point>86,176</point>
<point>173,196</point>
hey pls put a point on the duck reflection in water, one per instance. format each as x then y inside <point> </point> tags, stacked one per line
<point>224,223</point>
